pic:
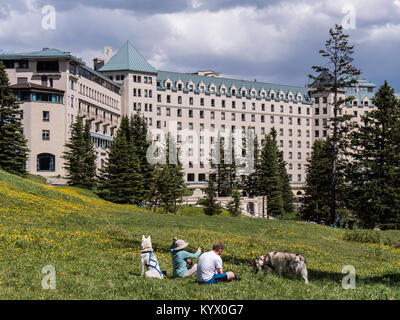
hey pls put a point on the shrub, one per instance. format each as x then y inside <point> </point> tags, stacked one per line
<point>364,236</point>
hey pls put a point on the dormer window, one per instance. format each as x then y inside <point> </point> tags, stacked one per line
<point>272,96</point>
<point>191,88</point>
<point>233,92</point>
<point>202,89</point>
<point>168,85</point>
<point>243,93</point>
<point>223,90</point>
<point>180,87</point>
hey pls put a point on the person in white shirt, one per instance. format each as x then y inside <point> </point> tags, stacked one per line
<point>209,267</point>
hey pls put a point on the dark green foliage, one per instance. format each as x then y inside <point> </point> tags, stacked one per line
<point>170,182</point>
<point>211,206</point>
<point>375,171</point>
<point>363,236</point>
<point>318,178</point>
<point>333,76</point>
<point>13,145</point>
<point>121,180</point>
<point>80,157</point>
<point>234,205</point>
<point>270,177</point>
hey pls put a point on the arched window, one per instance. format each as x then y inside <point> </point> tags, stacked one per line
<point>46,162</point>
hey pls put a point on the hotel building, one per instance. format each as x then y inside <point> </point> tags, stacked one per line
<point>54,88</point>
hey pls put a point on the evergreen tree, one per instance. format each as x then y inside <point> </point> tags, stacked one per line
<point>334,76</point>
<point>13,145</point>
<point>316,202</point>
<point>171,187</point>
<point>80,157</point>
<point>139,136</point>
<point>270,177</point>
<point>234,205</point>
<point>287,194</point>
<point>251,185</point>
<point>121,181</point>
<point>375,174</point>
<point>211,206</point>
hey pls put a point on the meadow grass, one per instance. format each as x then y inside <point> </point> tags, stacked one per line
<point>94,246</point>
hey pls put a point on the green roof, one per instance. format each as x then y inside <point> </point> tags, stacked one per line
<point>128,58</point>
<point>162,76</point>
<point>44,53</point>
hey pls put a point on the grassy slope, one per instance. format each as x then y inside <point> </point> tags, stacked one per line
<point>95,247</point>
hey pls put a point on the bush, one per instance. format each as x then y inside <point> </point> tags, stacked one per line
<point>364,236</point>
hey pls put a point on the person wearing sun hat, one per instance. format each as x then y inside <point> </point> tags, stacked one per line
<point>179,257</point>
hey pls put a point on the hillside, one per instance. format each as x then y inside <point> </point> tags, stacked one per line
<point>94,246</point>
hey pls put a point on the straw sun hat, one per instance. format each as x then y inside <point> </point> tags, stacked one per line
<point>180,244</point>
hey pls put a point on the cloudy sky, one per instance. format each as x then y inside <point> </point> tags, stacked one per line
<point>272,41</point>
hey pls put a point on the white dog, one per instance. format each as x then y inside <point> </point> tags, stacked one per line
<point>278,261</point>
<point>148,259</point>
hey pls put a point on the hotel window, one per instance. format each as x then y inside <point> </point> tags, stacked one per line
<point>299,121</point>
<point>262,131</point>
<point>202,89</point>
<point>45,134</point>
<point>298,132</point>
<point>212,115</point>
<point>281,132</point>
<point>212,103</point>
<point>307,133</point>
<point>190,125</point>
<point>324,100</point>
<point>253,118</point>
<point>272,108</point>
<point>316,133</point>
<point>168,112</point>
<point>201,126</point>
<point>308,111</point>
<point>222,115</point>
<point>281,120</point>
<point>191,101</point>
<point>168,85</point>
<point>272,119</point>
<point>243,129</point>
<point>159,98</point>
<point>253,106</point>
<point>158,124</point>
<point>201,153</point>
<point>316,122</point>
<point>243,93</point>
<point>324,122</point>
<point>191,139</point>
<point>46,116</point>
<point>290,132</point>
<point>223,103</point>
<point>243,105</point>
<point>307,122</point>
<point>366,103</point>
<point>179,100</point>
<point>180,87</point>
<point>281,143</point>
<point>299,177</point>
<point>190,113</point>
<point>190,152</point>
<point>191,88</point>
<point>201,140</point>
<point>324,133</point>
<point>168,99</point>
<point>290,177</point>
<point>290,120</point>
<point>290,155</point>
<point>316,111</point>
<point>233,105</point>
<point>290,144</point>
<point>290,166</point>
<point>316,99</point>
<point>212,127</point>
<point>139,92</point>
<point>299,110</point>
<point>179,126</point>
<point>272,96</point>
<point>222,129</point>
<point>281,109</point>
<point>201,164</point>
<point>298,144</point>
<point>263,107</point>
<point>179,112</point>
<point>325,110</point>
<point>202,101</point>
<point>262,118</point>
<point>290,109</point>
<point>179,139</point>
<point>158,111</point>
<point>233,128</point>
<point>243,117</point>
<point>233,116</point>
<point>308,144</point>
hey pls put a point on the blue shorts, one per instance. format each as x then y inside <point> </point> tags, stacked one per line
<point>216,278</point>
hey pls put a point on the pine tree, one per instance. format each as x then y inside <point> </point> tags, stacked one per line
<point>80,157</point>
<point>337,74</point>
<point>270,177</point>
<point>234,205</point>
<point>139,136</point>
<point>251,186</point>
<point>211,206</point>
<point>13,145</point>
<point>375,174</point>
<point>172,185</point>
<point>316,200</point>
<point>121,181</point>
<point>287,194</point>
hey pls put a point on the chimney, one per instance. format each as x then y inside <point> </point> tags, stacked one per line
<point>107,54</point>
<point>98,63</point>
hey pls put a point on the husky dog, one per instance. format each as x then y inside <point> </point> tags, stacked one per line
<point>148,259</point>
<point>278,261</point>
